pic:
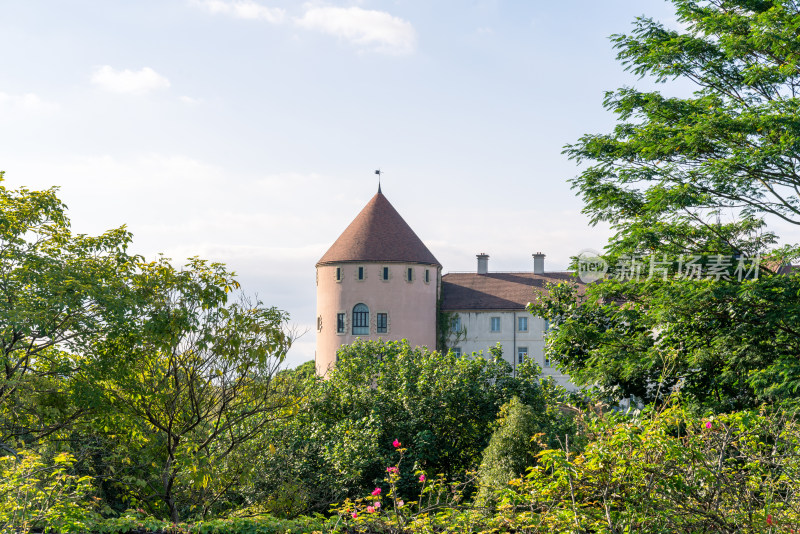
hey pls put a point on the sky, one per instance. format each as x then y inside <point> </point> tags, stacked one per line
<point>248,131</point>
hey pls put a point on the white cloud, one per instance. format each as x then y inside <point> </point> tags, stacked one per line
<point>375,30</point>
<point>243,9</point>
<point>190,100</point>
<point>128,81</point>
<point>29,102</point>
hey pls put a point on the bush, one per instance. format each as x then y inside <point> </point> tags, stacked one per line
<point>42,496</point>
<point>667,472</point>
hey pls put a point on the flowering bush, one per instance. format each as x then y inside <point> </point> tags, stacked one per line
<point>393,514</point>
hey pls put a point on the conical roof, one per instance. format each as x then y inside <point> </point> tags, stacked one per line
<point>378,234</point>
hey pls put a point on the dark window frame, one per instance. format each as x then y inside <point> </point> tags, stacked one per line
<point>360,319</point>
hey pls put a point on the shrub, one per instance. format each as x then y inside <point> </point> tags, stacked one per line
<point>43,496</point>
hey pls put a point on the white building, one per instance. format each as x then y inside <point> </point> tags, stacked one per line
<point>487,308</point>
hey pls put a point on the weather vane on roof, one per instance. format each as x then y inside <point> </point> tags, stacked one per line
<point>378,172</point>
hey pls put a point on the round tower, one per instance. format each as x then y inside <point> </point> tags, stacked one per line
<point>377,281</point>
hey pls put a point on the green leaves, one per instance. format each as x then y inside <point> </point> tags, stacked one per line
<point>730,151</point>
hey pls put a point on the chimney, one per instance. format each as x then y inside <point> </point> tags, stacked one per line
<point>538,263</point>
<point>483,263</point>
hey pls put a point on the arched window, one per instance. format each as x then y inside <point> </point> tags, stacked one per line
<point>360,320</point>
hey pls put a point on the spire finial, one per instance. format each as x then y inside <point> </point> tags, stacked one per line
<point>378,172</point>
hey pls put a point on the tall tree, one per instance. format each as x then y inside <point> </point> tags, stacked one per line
<point>694,175</point>
<point>676,163</point>
<point>196,383</point>
<point>59,294</point>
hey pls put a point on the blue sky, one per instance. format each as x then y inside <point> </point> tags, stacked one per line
<point>248,131</point>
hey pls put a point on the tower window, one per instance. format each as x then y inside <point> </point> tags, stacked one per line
<point>338,274</point>
<point>410,274</point>
<point>495,324</point>
<point>340,323</point>
<point>383,323</point>
<point>319,323</point>
<point>360,320</point>
<point>360,273</point>
<point>522,324</point>
<point>427,275</point>
<point>385,273</point>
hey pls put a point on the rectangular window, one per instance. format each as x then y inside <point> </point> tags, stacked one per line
<point>340,323</point>
<point>383,323</point>
<point>522,353</point>
<point>385,273</point>
<point>319,323</point>
<point>427,275</point>
<point>410,274</point>
<point>547,361</point>
<point>495,324</point>
<point>360,273</point>
<point>522,324</point>
<point>338,274</point>
<point>456,351</point>
<point>456,324</point>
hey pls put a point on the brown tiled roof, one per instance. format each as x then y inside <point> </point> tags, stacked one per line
<point>380,234</point>
<point>496,291</point>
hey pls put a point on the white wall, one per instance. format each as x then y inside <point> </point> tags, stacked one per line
<point>477,336</point>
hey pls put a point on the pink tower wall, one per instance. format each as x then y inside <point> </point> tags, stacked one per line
<point>411,305</point>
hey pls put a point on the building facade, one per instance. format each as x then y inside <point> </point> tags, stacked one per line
<point>379,281</point>
<point>487,308</point>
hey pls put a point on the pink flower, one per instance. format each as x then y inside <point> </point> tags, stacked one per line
<point>769,519</point>
<point>708,424</point>
<point>422,478</point>
<point>377,505</point>
<point>396,443</point>
<point>376,491</point>
<point>354,514</point>
<point>370,509</point>
<point>400,504</point>
<point>391,469</point>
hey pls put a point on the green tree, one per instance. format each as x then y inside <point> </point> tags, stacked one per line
<point>197,382</point>
<point>688,176</point>
<point>673,165</point>
<point>440,407</point>
<point>512,447</point>
<point>725,345</point>
<point>59,294</point>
